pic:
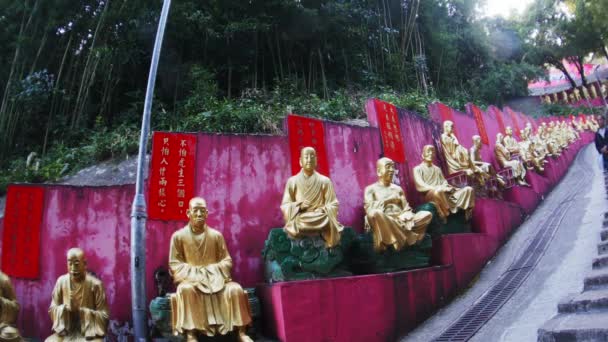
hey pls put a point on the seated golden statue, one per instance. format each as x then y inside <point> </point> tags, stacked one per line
<point>207,301</point>
<point>475,154</point>
<point>577,94</point>
<point>585,93</point>
<point>529,154</point>
<point>509,141</point>
<point>457,157</point>
<point>9,309</point>
<point>447,199</point>
<point>309,203</point>
<point>545,139</point>
<point>79,310</point>
<point>593,91</point>
<point>388,214</point>
<point>593,124</point>
<point>503,156</point>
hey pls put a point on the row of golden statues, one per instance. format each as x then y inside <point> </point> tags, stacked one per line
<point>207,301</point>
<point>588,93</point>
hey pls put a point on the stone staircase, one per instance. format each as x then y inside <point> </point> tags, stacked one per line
<point>584,316</point>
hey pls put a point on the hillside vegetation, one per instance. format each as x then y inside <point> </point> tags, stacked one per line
<point>73,73</point>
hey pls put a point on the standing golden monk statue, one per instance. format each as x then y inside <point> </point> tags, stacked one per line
<point>207,301</point>
<point>78,309</point>
<point>309,203</point>
<point>503,156</point>
<point>457,157</point>
<point>9,308</point>
<point>447,199</point>
<point>388,214</point>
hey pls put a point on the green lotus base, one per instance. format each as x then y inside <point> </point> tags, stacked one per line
<point>456,223</point>
<point>306,258</point>
<point>367,261</point>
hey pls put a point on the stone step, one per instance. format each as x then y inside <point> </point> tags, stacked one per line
<point>602,248</point>
<point>604,234</point>
<point>575,327</point>
<point>584,302</point>
<point>596,279</point>
<point>600,262</point>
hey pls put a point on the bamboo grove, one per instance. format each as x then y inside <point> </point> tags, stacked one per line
<point>73,68</point>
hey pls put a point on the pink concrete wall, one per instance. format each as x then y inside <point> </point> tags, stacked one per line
<point>95,219</point>
<point>242,177</point>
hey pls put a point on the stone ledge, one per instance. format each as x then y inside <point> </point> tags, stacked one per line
<point>584,302</point>
<point>599,263</point>
<point>575,327</point>
<point>597,279</point>
<point>602,248</point>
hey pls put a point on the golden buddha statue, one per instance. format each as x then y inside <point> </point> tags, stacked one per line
<point>309,203</point>
<point>503,156</point>
<point>79,310</point>
<point>546,99</point>
<point>593,124</point>
<point>545,138</point>
<point>457,157</point>
<point>565,97</point>
<point>475,155</point>
<point>388,214</point>
<point>529,154</point>
<point>593,91</point>
<point>555,98</point>
<point>556,136</point>
<point>447,199</point>
<point>572,98</point>
<point>603,91</point>
<point>577,94</point>
<point>207,301</point>
<point>585,93</point>
<point>9,309</point>
<point>509,141</point>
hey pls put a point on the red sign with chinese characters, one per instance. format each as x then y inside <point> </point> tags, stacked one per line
<point>390,131</point>
<point>481,126</point>
<point>514,120</point>
<point>306,132</point>
<point>446,114</point>
<point>172,172</point>
<point>501,122</point>
<point>21,236</point>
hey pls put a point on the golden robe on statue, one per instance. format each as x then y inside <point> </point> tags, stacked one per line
<point>503,156</point>
<point>321,215</point>
<point>511,144</point>
<point>447,199</point>
<point>394,223</point>
<point>79,310</point>
<point>456,156</point>
<point>206,299</point>
<point>9,309</point>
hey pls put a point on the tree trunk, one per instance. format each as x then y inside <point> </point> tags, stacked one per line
<point>562,68</point>
<point>325,90</point>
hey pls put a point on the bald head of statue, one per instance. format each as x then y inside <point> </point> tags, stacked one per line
<point>77,264</point>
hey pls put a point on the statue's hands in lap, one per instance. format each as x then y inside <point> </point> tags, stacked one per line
<point>406,216</point>
<point>392,199</point>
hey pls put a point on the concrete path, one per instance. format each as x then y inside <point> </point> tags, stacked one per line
<point>559,272</point>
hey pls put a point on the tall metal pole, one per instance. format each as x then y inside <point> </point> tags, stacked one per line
<point>138,211</point>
